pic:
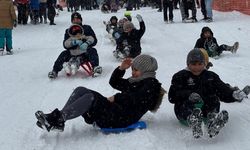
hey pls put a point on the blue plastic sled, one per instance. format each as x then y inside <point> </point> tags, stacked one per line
<point>137,125</point>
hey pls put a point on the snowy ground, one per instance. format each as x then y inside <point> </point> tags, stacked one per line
<point>25,87</point>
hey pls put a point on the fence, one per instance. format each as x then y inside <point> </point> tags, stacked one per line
<point>230,5</point>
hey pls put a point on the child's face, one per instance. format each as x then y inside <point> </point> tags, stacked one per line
<point>196,68</point>
<point>207,34</point>
<point>113,21</point>
<point>136,73</point>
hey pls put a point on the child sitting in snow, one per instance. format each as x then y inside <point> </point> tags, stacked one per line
<point>128,44</point>
<point>138,94</point>
<point>209,43</point>
<point>196,94</point>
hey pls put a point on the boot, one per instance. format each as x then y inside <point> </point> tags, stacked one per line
<point>246,89</point>
<point>233,49</point>
<point>52,74</point>
<point>52,121</point>
<point>195,122</point>
<point>216,122</point>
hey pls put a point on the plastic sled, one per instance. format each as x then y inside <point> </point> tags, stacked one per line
<point>137,125</point>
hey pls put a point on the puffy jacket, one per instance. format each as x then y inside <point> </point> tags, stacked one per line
<point>134,100</point>
<point>7,14</point>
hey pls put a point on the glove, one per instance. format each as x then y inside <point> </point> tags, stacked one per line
<point>75,42</point>
<point>14,23</point>
<point>139,18</point>
<point>83,47</point>
<point>196,99</point>
<point>239,95</point>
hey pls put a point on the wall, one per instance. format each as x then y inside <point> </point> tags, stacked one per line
<point>230,5</point>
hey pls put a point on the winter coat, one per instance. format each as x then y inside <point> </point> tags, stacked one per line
<point>209,44</point>
<point>22,1</point>
<point>134,100</point>
<point>7,14</point>
<point>208,85</point>
<point>89,37</point>
<point>133,40</point>
<point>34,4</point>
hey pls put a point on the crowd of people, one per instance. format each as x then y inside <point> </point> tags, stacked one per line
<point>195,91</point>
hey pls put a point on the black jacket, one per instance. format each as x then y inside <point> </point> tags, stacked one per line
<point>133,40</point>
<point>209,44</point>
<point>208,85</point>
<point>134,100</point>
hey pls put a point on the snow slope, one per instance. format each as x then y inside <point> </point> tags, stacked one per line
<point>25,88</point>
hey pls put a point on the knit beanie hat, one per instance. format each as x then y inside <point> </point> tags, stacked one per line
<point>195,55</point>
<point>127,25</point>
<point>76,15</point>
<point>145,63</point>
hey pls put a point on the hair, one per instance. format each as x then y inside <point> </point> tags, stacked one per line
<point>159,100</point>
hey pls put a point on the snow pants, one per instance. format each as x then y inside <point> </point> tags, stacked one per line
<point>65,56</point>
<point>79,102</point>
<point>6,38</point>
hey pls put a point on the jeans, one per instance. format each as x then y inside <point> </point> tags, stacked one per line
<point>208,4</point>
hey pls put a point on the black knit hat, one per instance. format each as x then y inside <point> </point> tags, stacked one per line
<point>76,15</point>
<point>195,55</point>
<point>145,63</point>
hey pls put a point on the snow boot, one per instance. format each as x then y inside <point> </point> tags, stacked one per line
<point>52,74</point>
<point>216,122</point>
<point>246,89</point>
<point>52,121</point>
<point>97,71</point>
<point>67,68</point>
<point>233,49</point>
<point>195,122</point>
<point>1,51</point>
<point>9,52</point>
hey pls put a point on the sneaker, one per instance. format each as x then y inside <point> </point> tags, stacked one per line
<point>52,74</point>
<point>9,52</point>
<point>216,122</point>
<point>97,71</point>
<point>195,122</point>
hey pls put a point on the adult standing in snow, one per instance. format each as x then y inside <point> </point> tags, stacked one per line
<point>209,43</point>
<point>206,9</point>
<point>138,94</point>
<point>86,47</point>
<point>196,94</point>
<point>51,4</point>
<point>7,22</point>
<point>130,38</point>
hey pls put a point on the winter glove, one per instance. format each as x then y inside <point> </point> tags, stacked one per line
<point>83,47</point>
<point>196,99</point>
<point>14,23</point>
<point>75,42</point>
<point>239,95</point>
<point>139,18</point>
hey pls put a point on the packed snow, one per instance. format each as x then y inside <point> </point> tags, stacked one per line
<point>25,87</point>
